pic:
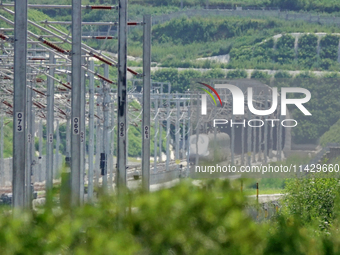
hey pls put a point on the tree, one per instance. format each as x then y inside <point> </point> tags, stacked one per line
<point>290,4</point>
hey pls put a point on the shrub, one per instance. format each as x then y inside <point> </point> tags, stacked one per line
<point>184,79</point>
<point>312,198</point>
<point>264,52</point>
<point>243,53</point>
<point>282,75</point>
<point>290,238</point>
<point>326,63</point>
<point>259,75</point>
<point>214,74</point>
<point>307,49</point>
<point>285,49</point>
<point>329,46</point>
<point>237,74</point>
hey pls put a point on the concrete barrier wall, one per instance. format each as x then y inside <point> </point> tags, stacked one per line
<point>164,176</point>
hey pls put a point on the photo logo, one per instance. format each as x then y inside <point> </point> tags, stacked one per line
<point>239,99</point>
<point>204,97</point>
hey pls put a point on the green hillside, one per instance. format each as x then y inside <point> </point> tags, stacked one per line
<point>263,55</point>
<point>296,5</point>
<point>332,135</point>
<point>249,42</point>
<point>329,6</point>
<point>179,42</point>
<point>325,91</point>
<point>35,16</point>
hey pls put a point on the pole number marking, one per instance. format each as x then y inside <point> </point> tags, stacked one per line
<point>146,132</point>
<point>20,122</point>
<point>82,136</point>
<point>121,129</point>
<point>29,138</point>
<point>76,126</point>
<point>50,138</point>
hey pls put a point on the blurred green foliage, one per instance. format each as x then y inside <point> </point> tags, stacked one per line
<point>207,219</point>
<point>312,198</point>
<point>182,220</point>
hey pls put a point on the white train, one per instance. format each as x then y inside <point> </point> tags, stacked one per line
<point>209,149</point>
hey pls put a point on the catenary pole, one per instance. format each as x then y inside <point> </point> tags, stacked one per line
<point>233,141</point>
<point>265,154</point>
<point>76,103</point>
<point>259,156</point>
<point>106,138</point>
<point>271,141</point>
<point>146,102</point>
<point>82,131</point>
<point>168,123</point>
<point>113,164</point>
<point>155,136</point>
<point>40,150</point>
<point>2,170</point>
<point>91,131</point>
<point>109,158</point>
<point>56,171</point>
<point>161,103</point>
<point>28,141</point>
<point>122,96</point>
<point>242,146</point>
<point>254,144</point>
<point>197,129</point>
<point>68,136</point>
<point>98,137</point>
<point>183,135</point>
<point>19,112</point>
<point>30,146</point>
<point>279,128</point>
<point>188,140</point>
<point>50,126</point>
<point>248,141</point>
<point>68,122</point>
<point>177,130</point>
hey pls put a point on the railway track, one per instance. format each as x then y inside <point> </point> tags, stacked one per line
<point>134,173</point>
